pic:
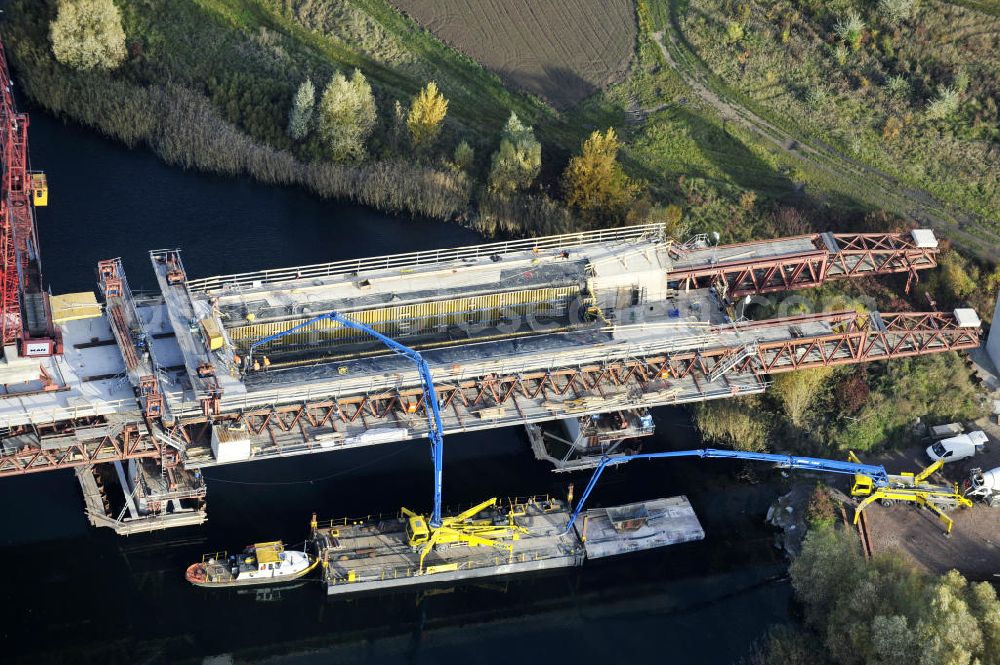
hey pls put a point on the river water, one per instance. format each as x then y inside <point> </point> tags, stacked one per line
<point>72,593</point>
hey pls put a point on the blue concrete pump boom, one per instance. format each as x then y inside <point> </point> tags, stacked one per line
<point>435,430</point>
<point>877,473</point>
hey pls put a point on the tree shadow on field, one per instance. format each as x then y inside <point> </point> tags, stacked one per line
<point>730,157</point>
<point>563,135</point>
<point>561,87</point>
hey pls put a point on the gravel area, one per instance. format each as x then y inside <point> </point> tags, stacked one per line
<point>974,545</point>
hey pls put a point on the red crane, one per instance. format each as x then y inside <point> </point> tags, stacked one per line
<point>24,304</point>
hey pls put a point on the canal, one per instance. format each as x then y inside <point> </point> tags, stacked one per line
<point>74,593</point>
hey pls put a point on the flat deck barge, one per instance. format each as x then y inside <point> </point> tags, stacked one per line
<point>375,554</point>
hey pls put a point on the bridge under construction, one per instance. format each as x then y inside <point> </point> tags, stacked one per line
<point>161,385</point>
<point>142,391</point>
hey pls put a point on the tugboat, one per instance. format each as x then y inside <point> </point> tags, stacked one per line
<point>261,563</point>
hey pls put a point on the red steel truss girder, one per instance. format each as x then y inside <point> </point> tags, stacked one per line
<point>128,444</point>
<point>856,337</point>
<point>859,254</point>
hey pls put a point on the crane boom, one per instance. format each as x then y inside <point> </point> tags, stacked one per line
<point>877,473</point>
<point>435,429</point>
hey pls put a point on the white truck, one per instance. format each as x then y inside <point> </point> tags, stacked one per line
<point>957,447</point>
<point>985,486</point>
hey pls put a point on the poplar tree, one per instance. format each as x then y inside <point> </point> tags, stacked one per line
<point>518,161</point>
<point>594,181</point>
<point>300,117</point>
<point>427,112</point>
<point>347,116</point>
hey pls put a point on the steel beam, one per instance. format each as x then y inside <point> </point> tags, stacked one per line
<point>129,443</point>
<point>834,256</point>
<point>643,381</point>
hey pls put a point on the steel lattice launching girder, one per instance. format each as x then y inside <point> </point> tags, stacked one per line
<point>832,256</point>
<point>130,442</point>
<point>685,376</point>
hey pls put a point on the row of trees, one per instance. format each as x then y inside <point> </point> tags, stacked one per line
<point>594,183</point>
<point>347,116</point>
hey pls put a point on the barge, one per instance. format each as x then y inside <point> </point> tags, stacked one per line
<point>490,540</point>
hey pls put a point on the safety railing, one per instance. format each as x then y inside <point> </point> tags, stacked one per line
<point>411,259</point>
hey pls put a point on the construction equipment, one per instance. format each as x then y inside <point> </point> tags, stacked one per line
<point>421,532</point>
<point>984,485</point>
<point>912,487</point>
<point>876,475</point>
<point>870,481</point>
<point>24,306</point>
<point>466,527</point>
<point>435,430</point>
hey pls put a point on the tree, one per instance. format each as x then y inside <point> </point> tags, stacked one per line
<point>829,562</point>
<point>797,390</point>
<point>464,156</point>
<point>300,117</point>
<point>347,116</point>
<point>851,28</point>
<point>884,612</point>
<point>735,423</point>
<point>427,112</point>
<point>958,277</point>
<point>88,34</point>
<point>594,181</point>
<point>518,161</point>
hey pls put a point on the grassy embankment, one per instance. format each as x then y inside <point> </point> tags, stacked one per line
<point>869,94</point>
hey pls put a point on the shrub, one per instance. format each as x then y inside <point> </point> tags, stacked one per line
<point>898,87</point>
<point>821,511</point>
<point>896,11</point>
<point>736,423</point>
<point>795,391</point>
<point>464,156</point>
<point>518,161</point>
<point>892,128</point>
<point>850,28</point>
<point>734,32</point>
<point>945,104</point>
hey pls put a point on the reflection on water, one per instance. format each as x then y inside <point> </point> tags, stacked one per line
<point>77,594</point>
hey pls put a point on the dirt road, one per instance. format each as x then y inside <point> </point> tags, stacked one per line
<point>856,178</point>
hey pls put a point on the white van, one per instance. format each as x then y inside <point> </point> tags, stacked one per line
<point>957,447</point>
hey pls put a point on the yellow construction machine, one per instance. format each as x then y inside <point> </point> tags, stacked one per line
<point>466,528</point>
<point>912,487</point>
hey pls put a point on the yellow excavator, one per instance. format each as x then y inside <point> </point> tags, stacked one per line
<point>464,528</point>
<point>912,487</point>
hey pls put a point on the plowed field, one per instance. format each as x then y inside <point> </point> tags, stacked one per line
<point>560,50</point>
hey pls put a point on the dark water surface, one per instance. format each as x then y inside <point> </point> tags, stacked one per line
<point>72,593</point>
